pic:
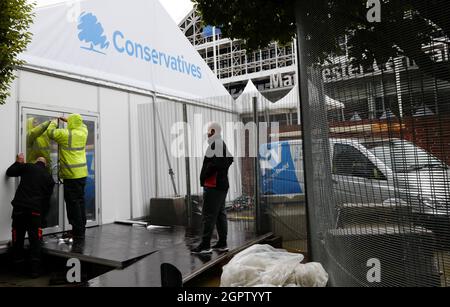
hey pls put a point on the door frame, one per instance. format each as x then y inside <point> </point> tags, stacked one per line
<point>90,117</point>
<point>93,116</point>
<point>23,148</point>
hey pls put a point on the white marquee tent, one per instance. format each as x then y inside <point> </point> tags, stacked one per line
<point>134,43</point>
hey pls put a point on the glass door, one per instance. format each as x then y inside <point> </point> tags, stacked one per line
<point>35,143</point>
<point>91,188</point>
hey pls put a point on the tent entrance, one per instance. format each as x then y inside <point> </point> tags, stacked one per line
<point>35,143</point>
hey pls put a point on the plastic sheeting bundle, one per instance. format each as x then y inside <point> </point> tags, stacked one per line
<point>263,265</point>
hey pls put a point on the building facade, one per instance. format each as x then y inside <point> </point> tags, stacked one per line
<point>272,69</point>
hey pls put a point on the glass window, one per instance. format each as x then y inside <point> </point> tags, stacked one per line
<point>349,161</point>
<point>403,156</point>
<point>38,144</point>
<point>90,180</point>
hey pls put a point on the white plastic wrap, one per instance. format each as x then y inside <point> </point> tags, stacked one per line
<point>263,265</point>
<point>310,275</point>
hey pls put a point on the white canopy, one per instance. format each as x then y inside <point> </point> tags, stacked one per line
<point>333,104</point>
<point>288,102</point>
<point>133,43</point>
<point>244,101</point>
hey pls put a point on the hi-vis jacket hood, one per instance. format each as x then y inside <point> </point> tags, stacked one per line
<point>38,143</point>
<point>74,121</point>
<point>72,147</point>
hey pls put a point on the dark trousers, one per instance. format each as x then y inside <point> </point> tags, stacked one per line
<point>76,212</point>
<point>26,221</point>
<point>214,214</point>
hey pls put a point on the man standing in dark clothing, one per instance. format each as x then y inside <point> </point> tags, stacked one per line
<point>214,180</point>
<point>30,204</point>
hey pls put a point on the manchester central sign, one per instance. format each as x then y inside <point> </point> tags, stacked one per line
<point>344,70</point>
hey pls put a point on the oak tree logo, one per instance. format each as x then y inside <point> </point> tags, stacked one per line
<point>91,32</point>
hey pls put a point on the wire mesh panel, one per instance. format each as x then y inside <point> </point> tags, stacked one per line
<point>272,170</point>
<point>378,108</point>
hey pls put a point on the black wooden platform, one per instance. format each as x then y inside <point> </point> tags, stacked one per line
<point>135,254</point>
<point>147,271</point>
<point>116,245</point>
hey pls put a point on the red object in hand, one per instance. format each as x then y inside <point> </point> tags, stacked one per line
<point>211,182</point>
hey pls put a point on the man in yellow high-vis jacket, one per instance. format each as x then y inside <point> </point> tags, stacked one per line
<point>38,142</point>
<point>72,168</point>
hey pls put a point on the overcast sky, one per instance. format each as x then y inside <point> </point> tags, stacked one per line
<point>176,8</point>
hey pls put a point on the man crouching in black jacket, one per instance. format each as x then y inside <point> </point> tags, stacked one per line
<point>30,204</point>
<point>214,180</point>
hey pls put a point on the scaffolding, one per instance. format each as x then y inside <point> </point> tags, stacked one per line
<point>233,65</point>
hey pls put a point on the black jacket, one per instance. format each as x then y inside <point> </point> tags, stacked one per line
<point>35,188</point>
<point>215,166</point>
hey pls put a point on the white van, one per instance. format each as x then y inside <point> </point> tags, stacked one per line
<point>366,171</point>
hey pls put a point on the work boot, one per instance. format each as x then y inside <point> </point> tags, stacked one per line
<point>35,269</point>
<point>220,247</point>
<point>202,249</point>
<point>66,237</point>
<point>78,245</point>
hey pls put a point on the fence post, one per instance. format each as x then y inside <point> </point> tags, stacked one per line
<point>257,204</point>
<point>302,79</point>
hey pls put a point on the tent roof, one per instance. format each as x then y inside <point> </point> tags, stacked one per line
<point>288,102</point>
<point>133,43</point>
<point>333,104</point>
<point>244,101</point>
<point>330,102</point>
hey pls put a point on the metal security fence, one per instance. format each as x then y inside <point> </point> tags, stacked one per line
<point>272,168</point>
<point>377,166</point>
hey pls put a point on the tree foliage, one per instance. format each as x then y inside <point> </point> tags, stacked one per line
<point>406,27</point>
<point>15,18</point>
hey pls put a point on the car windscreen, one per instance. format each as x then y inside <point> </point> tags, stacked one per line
<point>403,156</point>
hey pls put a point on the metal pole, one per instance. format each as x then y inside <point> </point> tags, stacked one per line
<point>258,212</point>
<point>155,149</point>
<point>188,168</point>
<point>296,82</point>
<point>171,173</point>
<point>398,84</point>
<point>305,125</point>
<point>214,51</point>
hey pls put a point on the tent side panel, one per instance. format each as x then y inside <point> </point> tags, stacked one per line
<point>56,92</point>
<point>8,137</point>
<point>115,155</point>
<point>144,168</point>
<point>169,117</point>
